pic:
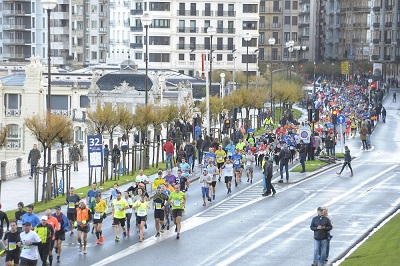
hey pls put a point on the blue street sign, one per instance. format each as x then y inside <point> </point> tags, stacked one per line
<point>341,119</point>
<point>95,150</point>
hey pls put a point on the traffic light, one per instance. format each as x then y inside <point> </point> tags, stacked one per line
<point>334,116</point>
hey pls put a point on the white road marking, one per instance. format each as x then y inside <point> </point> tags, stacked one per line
<point>196,221</point>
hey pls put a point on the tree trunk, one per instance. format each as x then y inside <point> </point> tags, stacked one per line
<point>44,172</point>
<point>62,170</point>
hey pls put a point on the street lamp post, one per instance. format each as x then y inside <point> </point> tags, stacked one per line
<point>210,30</point>
<point>289,46</point>
<point>271,42</point>
<point>222,76</point>
<point>49,5</point>
<point>234,68</point>
<point>247,38</point>
<point>146,21</point>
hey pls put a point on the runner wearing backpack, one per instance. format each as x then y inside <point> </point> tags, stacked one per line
<point>284,157</point>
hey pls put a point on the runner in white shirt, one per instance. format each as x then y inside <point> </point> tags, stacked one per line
<point>142,178</point>
<point>128,212</point>
<point>30,241</point>
<point>213,172</point>
<point>228,174</point>
<point>250,159</point>
<point>205,181</point>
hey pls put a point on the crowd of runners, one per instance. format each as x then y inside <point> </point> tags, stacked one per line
<point>232,162</point>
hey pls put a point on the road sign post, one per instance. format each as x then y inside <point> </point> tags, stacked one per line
<point>95,150</point>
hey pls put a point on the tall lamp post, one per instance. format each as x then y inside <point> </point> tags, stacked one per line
<point>247,38</point>
<point>49,5</point>
<point>289,46</point>
<point>234,68</point>
<point>210,30</point>
<point>271,42</point>
<point>146,22</point>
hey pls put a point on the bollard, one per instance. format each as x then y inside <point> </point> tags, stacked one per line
<point>3,166</point>
<point>19,168</point>
<point>58,156</point>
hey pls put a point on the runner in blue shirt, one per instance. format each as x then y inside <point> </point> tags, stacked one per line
<point>237,161</point>
<point>185,168</point>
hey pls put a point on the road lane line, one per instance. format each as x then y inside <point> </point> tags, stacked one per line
<point>196,221</point>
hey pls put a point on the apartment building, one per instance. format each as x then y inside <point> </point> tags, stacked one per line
<point>178,37</point>
<point>385,31</point>
<point>285,21</point>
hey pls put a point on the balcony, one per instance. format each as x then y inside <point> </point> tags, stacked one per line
<point>193,46</point>
<point>187,30</point>
<point>14,56</point>
<point>226,30</point>
<point>376,41</point>
<point>15,27</point>
<point>137,12</point>
<point>304,11</point>
<point>79,116</point>
<point>376,9</point>
<point>102,14</point>
<point>187,12</point>
<point>15,42</point>
<point>376,25</point>
<point>102,45</point>
<point>361,9</point>
<point>388,41</point>
<point>66,113</point>
<point>136,45</point>
<point>389,7</point>
<point>276,10</point>
<point>136,28</point>
<point>13,12</point>
<point>103,30</point>
<point>102,60</point>
<point>389,24</point>
<point>374,57</point>
<point>397,58</point>
<point>386,57</point>
<point>12,112</point>
<point>226,13</point>
<point>207,13</point>
<point>303,24</point>
<point>13,144</point>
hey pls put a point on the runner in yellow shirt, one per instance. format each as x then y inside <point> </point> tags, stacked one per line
<point>119,206</point>
<point>220,159</point>
<point>177,199</point>
<point>99,209</point>
<point>141,207</point>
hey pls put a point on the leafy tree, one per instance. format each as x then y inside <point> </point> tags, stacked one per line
<point>159,114</point>
<point>100,117</point>
<point>171,112</point>
<point>3,135</point>
<point>126,124</point>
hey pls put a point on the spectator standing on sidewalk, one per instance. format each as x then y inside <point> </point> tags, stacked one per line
<point>284,157</point>
<point>75,156</point>
<point>329,232</point>
<point>302,156</point>
<point>169,153</point>
<point>33,159</point>
<point>321,226</point>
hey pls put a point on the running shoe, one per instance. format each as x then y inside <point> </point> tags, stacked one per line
<point>124,234</point>
<point>177,236</point>
<point>128,233</point>
<point>101,239</point>
<point>58,259</point>
<point>168,226</point>
<point>145,226</point>
<point>176,229</point>
<point>80,248</point>
<point>98,241</point>
<point>116,239</point>
<point>85,251</point>
<point>213,197</point>
<point>162,230</point>
<point>158,234</point>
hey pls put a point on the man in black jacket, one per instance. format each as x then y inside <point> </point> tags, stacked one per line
<point>321,225</point>
<point>302,156</point>
<point>267,172</point>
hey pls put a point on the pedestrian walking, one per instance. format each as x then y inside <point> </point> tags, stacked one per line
<point>33,159</point>
<point>284,157</point>
<point>267,173</point>
<point>383,113</point>
<point>394,97</point>
<point>329,232</point>
<point>321,226</point>
<point>168,148</point>
<point>302,156</point>
<point>347,161</point>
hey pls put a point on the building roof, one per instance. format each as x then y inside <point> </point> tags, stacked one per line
<point>108,81</point>
<point>13,80</point>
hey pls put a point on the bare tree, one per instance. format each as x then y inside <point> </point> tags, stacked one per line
<point>3,135</point>
<point>126,124</point>
<point>65,137</point>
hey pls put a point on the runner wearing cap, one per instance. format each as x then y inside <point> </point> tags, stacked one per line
<point>60,234</point>
<point>72,201</point>
<point>99,209</point>
<point>18,215</point>
<point>30,242</point>
<point>46,232</point>
<point>83,217</point>
<point>159,201</point>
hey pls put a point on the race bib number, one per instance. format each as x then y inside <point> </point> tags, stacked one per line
<point>230,153</point>
<point>141,212</point>
<point>117,206</point>
<point>71,205</point>
<point>19,223</point>
<point>177,203</point>
<point>12,245</point>
<point>97,215</point>
<point>27,247</point>
<point>158,206</point>
<point>220,158</point>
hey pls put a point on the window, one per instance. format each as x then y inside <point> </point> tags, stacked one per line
<point>219,44</point>
<point>251,43</point>
<point>138,56</point>
<point>207,9</point>
<point>159,40</point>
<point>219,57</point>
<point>250,8</point>
<point>207,43</point>
<point>294,21</point>
<point>33,37</point>
<point>193,9</point>
<point>94,55</point>
<point>84,101</point>
<point>220,9</point>
<point>262,6</point>
<point>287,20</point>
<point>193,43</point>
<point>274,53</point>
<point>181,9</point>
<point>230,44</point>
<point>181,43</point>
<point>250,25</point>
<point>295,5</point>
<point>286,36</point>
<point>33,23</point>
<point>261,39</point>
<point>158,57</point>
<point>94,8</point>
<point>33,8</point>
<point>59,102</point>
<point>181,57</point>
<point>160,23</point>
<point>159,6</point>
<point>94,24</point>
<point>262,22</point>
<point>94,40</point>
<point>12,103</point>
<point>192,57</point>
<point>287,5</point>
<point>13,137</point>
<point>294,36</point>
